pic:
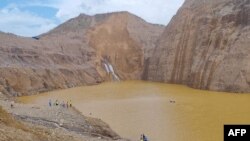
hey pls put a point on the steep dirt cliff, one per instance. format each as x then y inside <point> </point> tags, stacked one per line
<point>113,43</point>
<point>206,46</point>
<point>75,53</point>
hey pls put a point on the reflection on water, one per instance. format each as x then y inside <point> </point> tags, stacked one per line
<point>135,107</point>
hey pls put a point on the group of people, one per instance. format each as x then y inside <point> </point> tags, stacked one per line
<point>143,138</point>
<point>63,104</point>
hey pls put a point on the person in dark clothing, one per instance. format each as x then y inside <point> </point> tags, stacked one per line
<point>144,137</point>
<point>12,104</point>
<point>56,103</point>
<point>50,103</point>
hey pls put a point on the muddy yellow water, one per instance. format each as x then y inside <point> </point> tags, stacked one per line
<point>136,107</point>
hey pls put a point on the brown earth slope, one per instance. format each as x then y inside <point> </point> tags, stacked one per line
<point>34,123</point>
<point>206,46</point>
<point>74,53</point>
<point>10,130</point>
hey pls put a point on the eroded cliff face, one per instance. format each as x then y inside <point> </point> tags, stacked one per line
<point>114,44</point>
<point>206,46</point>
<point>28,66</point>
<point>74,53</point>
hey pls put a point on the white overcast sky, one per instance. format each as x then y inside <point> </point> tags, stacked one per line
<point>34,17</point>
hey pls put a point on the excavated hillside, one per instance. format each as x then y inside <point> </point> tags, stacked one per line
<point>206,46</point>
<point>77,53</point>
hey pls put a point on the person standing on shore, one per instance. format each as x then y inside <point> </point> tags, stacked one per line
<point>141,139</point>
<point>144,137</point>
<point>63,104</point>
<point>70,104</point>
<point>50,103</point>
<point>12,104</point>
<point>56,103</point>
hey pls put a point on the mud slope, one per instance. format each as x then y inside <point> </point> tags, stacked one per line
<point>206,46</point>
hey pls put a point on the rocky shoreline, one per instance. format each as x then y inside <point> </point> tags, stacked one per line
<point>59,120</point>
